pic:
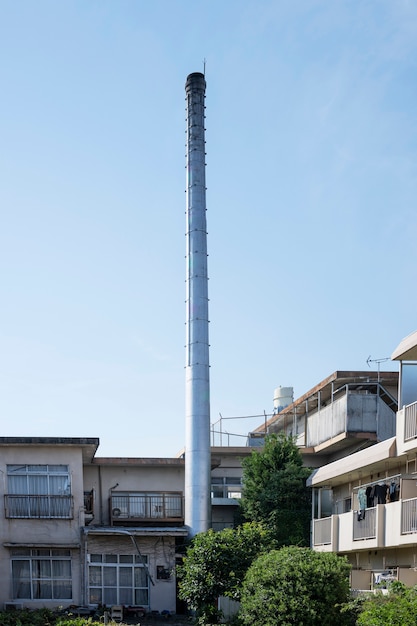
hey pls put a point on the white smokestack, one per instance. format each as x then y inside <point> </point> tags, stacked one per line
<point>197,385</point>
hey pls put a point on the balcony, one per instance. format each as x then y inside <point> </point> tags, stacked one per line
<point>129,508</point>
<point>38,507</point>
<point>352,411</point>
<point>385,525</point>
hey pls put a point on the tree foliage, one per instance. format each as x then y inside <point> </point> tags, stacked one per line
<point>275,492</point>
<point>398,608</point>
<point>216,563</point>
<point>296,586</point>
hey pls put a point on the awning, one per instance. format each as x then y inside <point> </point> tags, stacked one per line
<point>165,531</point>
<point>49,545</point>
<point>362,460</point>
<point>407,350</point>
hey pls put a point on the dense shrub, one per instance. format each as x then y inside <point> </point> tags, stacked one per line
<point>398,608</point>
<point>296,586</point>
<point>43,617</point>
<point>215,565</point>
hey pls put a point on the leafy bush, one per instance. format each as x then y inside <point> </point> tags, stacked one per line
<point>43,617</point>
<point>398,608</point>
<point>296,586</point>
<point>215,565</point>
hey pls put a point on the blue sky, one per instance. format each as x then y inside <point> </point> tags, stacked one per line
<point>312,185</point>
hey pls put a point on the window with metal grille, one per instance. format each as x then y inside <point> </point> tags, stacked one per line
<point>38,491</point>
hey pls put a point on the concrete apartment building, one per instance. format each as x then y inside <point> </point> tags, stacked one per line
<point>359,431</point>
<point>365,503</point>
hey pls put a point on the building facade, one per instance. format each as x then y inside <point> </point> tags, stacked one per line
<point>78,529</point>
<point>82,530</point>
<point>365,503</point>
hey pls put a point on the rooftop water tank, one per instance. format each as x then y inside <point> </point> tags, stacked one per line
<point>283,396</point>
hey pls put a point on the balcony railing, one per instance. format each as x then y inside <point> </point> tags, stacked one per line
<point>385,525</point>
<point>145,507</point>
<point>410,423</point>
<point>38,507</point>
<point>323,531</point>
<point>409,516</point>
<point>364,528</point>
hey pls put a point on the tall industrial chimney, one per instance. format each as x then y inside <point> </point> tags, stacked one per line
<point>197,382</point>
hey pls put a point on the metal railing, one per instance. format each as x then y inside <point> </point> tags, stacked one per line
<point>409,516</point>
<point>323,531</point>
<point>410,421</point>
<point>38,507</point>
<point>146,506</point>
<point>364,528</point>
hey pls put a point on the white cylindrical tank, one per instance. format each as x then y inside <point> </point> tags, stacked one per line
<point>283,396</point>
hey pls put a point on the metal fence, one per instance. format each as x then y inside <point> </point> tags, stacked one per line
<point>45,507</point>
<point>409,516</point>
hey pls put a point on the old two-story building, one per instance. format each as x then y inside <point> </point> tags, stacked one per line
<point>79,529</point>
<point>365,503</point>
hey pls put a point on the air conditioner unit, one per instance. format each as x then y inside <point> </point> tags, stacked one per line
<point>13,606</point>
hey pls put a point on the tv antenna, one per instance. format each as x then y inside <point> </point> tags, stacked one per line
<point>379,361</point>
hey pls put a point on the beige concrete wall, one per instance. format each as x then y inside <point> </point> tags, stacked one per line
<point>222,517</point>
<point>46,532</point>
<point>104,479</point>
<point>41,531</point>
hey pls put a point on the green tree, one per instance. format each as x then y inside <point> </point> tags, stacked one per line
<point>215,564</point>
<point>398,608</point>
<point>275,492</point>
<point>296,586</point>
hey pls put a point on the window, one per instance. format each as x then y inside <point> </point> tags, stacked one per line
<point>347,505</point>
<point>41,574</point>
<point>118,579</point>
<point>408,383</point>
<point>226,487</point>
<point>40,491</point>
